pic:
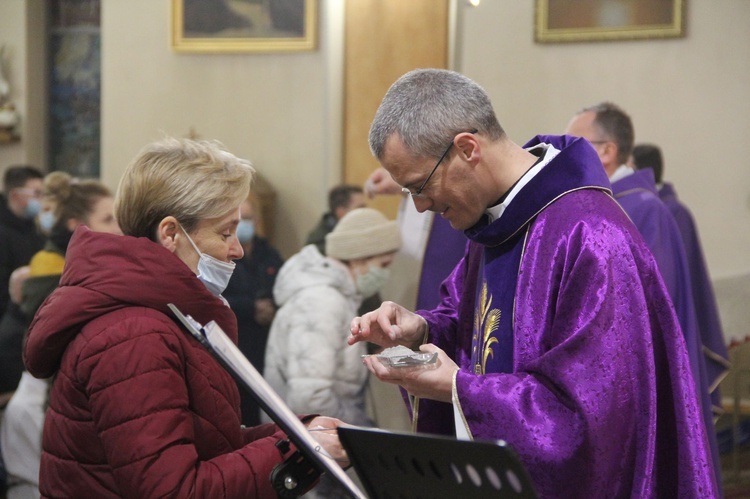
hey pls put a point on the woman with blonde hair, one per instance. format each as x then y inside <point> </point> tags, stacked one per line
<point>139,408</point>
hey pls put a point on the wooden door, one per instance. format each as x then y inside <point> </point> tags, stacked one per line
<point>383,40</point>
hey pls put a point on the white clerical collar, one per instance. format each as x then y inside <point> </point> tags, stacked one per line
<point>621,172</point>
<point>495,212</point>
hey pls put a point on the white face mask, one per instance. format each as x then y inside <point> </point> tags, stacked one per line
<point>371,281</point>
<point>214,273</point>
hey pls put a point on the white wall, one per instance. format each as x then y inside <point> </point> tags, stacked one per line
<point>689,95</point>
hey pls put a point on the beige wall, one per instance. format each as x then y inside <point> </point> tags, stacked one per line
<point>283,111</point>
<point>689,95</point>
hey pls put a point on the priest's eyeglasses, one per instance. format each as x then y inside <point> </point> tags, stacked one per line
<point>418,192</point>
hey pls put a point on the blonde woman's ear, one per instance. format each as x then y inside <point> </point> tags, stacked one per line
<point>166,232</point>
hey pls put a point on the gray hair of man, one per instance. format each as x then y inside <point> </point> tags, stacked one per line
<point>427,108</point>
<point>615,125</point>
<point>191,180</point>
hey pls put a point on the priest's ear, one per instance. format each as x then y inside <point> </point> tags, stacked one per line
<point>468,147</point>
<point>608,154</point>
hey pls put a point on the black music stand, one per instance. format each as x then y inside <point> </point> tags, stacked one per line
<point>301,469</point>
<point>407,465</point>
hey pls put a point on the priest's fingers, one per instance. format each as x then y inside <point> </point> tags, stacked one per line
<point>360,330</point>
<point>374,326</point>
<point>380,370</point>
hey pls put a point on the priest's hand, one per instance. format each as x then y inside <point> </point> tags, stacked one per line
<point>380,182</point>
<point>389,325</point>
<point>433,382</point>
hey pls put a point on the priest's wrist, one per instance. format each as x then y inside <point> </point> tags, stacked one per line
<point>422,333</point>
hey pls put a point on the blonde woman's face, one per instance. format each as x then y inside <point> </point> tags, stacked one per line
<point>216,237</point>
<point>102,217</point>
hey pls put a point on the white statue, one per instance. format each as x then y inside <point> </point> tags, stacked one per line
<point>4,85</point>
<point>8,113</point>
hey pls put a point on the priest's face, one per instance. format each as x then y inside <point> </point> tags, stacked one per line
<point>445,188</point>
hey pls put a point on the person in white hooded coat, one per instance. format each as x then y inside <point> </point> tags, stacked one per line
<point>308,361</point>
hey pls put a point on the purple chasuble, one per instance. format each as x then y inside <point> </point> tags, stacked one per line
<point>638,196</point>
<point>600,400</point>
<point>706,309</point>
<point>445,247</point>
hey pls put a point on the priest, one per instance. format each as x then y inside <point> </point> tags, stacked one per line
<point>555,332</point>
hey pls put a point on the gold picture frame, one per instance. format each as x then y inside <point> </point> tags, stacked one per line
<point>241,26</point>
<point>598,20</point>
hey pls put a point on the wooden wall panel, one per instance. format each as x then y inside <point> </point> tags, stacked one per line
<point>383,40</point>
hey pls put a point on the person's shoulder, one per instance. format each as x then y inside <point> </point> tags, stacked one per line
<point>586,217</point>
<point>45,263</point>
<point>321,299</point>
<point>7,231</point>
<point>130,323</point>
<point>591,205</point>
<point>264,247</point>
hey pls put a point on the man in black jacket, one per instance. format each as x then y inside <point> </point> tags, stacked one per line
<point>20,202</point>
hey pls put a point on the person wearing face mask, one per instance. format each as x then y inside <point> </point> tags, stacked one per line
<point>250,295</point>
<point>15,320</point>
<point>20,203</point>
<point>307,360</point>
<point>138,407</point>
<point>68,202</point>
<point>71,202</point>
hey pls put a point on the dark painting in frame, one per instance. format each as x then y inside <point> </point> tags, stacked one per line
<point>237,26</point>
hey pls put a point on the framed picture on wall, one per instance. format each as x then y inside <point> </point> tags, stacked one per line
<point>595,20</point>
<point>235,26</point>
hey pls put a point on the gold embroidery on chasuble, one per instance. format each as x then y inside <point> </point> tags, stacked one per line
<point>486,322</point>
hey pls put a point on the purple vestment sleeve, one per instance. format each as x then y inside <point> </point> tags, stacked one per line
<point>638,196</point>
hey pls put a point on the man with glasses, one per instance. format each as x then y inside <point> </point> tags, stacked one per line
<point>610,131</point>
<point>20,203</point>
<point>555,332</point>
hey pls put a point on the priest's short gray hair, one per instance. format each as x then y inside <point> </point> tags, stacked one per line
<point>426,108</point>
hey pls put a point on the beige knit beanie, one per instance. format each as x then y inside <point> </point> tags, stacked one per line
<point>362,233</point>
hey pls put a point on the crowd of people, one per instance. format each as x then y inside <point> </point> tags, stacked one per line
<point>561,284</point>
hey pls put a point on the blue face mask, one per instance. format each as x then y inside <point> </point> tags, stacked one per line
<point>245,230</point>
<point>214,273</point>
<point>47,221</point>
<point>33,207</point>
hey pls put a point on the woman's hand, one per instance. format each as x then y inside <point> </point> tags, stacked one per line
<point>264,311</point>
<point>323,430</point>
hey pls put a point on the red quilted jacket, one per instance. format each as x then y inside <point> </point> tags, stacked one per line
<point>138,408</point>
